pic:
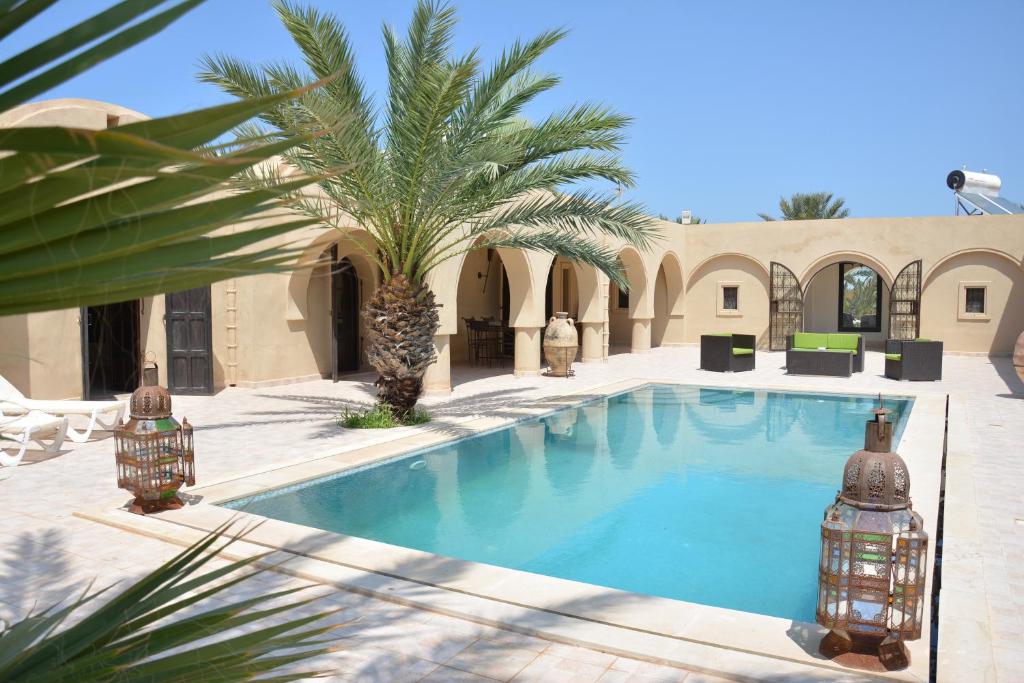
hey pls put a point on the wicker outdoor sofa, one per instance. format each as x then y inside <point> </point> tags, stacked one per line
<point>920,360</point>
<point>813,353</point>
<point>727,352</point>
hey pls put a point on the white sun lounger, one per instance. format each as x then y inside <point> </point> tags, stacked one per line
<point>103,415</point>
<point>18,431</point>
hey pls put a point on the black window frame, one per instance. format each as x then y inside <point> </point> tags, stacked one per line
<point>841,299</point>
<point>623,298</point>
<point>967,299</point>
<point>736,298</point>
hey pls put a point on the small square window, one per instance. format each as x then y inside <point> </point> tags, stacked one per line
<point>974,299</point>
<point>730,298</point>
<point>623,298</point>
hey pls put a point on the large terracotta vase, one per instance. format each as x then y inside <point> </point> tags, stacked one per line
<point>1018,356</point>
<point>561,343</point>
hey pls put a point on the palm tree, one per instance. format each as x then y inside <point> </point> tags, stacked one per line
<point>694,220</point>
<point>802,207</point>
<point>444,164</point>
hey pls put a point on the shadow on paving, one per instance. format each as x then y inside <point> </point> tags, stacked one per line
<point>377,640</point>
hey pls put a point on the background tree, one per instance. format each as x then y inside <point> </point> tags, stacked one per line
<point>801,207</point>
<point>445,163</point>
<point>694,220</point>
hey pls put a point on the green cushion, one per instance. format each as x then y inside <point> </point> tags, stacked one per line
<point>922,339</point>
<point>893,356</point>
<point>852,353</point>
<point>809,340</point>
<point>742,352</point>
<point>720,334</point>
<point>843,341</point>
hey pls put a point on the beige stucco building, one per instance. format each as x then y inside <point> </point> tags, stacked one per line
<point>959,279</point>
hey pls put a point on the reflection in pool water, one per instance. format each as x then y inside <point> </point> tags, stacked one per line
<point>681,492</point>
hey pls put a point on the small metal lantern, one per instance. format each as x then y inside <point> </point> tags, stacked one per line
<point>873,555</point>
<point>154,452</point>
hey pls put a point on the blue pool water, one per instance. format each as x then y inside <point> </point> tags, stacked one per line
<point>706,495</point>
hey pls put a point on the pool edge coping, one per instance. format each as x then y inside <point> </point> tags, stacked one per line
<point>176,526</point>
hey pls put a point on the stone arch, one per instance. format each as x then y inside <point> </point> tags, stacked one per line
<point>673,268</point>
<point>636,275</point>
<point>943,312</point>
<point>312,256</point>
<point>837,256</point>
<point>588,286</point>
<point>964,252</point>
<point>519,269</point>
<point>820,283</point>
<point>697,270</point>
<point>705,301</point>
<point>317,320</point>
<point>668,301</point>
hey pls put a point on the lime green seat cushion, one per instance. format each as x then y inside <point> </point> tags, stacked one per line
<point>810,340</point>
<point>893,356</point>
<point>843,341</point>
<point>720,334</point>
<point>742,352</point>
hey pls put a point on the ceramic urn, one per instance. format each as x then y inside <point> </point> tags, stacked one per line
<point>561,344</point>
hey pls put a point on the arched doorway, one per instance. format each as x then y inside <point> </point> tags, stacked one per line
<point>562,289</point>
<point>345,299</point>
<point>848,296</point>
<point>667,325</point>
<point>629,312</point>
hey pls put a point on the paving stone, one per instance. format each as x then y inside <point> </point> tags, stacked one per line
<point>47,553</point>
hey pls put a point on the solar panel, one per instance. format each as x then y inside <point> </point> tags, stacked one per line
<point>991,205</point>
<point>1008,204</point>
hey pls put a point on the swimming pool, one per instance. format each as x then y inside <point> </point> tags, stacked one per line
<point>707,495</point>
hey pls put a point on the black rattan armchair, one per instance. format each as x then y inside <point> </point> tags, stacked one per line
<point>919,360</point>
<point>727,352</point>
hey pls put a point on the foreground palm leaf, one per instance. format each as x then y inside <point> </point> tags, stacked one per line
<point>92,217</point>
<point>152,631</point>
<point>445,164</point>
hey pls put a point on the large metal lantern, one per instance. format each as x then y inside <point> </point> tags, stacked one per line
<point>154,452</point>
<point>873,555</point>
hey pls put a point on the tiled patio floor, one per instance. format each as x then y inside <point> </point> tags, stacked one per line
<point>46,553</point>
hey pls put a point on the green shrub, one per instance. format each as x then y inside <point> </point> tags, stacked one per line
<point>380,416</point>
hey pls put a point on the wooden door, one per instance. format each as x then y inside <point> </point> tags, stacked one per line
<point>345,316</point>
<point>189,345</point>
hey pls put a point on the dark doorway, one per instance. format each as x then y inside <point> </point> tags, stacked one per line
<point>345,315</point>
<point>189,345</point>
<point>111,350</point>
<point>506,303</point>
<point>549,293</point>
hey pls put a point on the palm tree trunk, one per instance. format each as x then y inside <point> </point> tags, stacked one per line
<point>401,319</point>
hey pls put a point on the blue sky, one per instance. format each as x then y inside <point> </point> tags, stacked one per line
<point>735,102</point>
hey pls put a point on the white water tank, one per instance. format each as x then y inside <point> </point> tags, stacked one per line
<point>970,181</point>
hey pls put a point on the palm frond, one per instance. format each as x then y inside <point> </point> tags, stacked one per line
<point>150,630</point>
<point>449,157</point>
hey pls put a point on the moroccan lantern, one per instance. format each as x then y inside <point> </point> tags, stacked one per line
<point>154,452</point>
<point>873,555</point>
